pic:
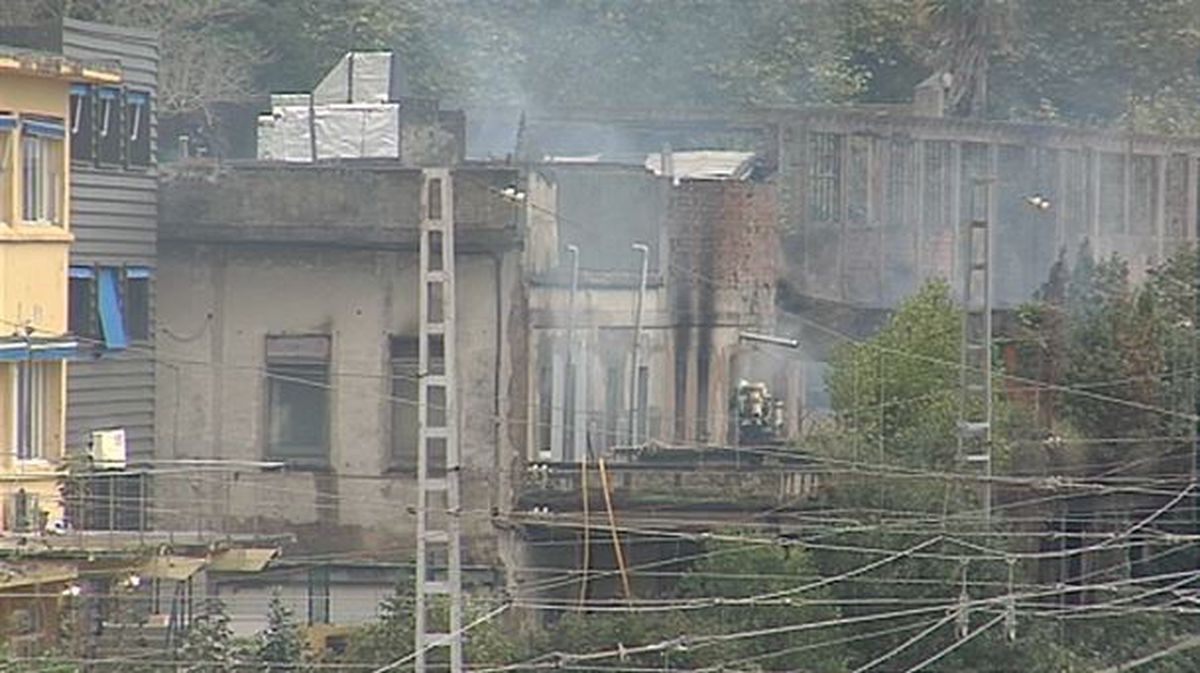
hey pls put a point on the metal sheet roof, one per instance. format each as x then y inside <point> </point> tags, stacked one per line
<point>242,560</point>
<point>177,568</point>
<point>704,165</point>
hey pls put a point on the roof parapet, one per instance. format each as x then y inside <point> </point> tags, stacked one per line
<point>48,65</point>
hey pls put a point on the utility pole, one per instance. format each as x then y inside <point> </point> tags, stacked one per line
<point>975,371</point>
<point>438,457</point>
<point>637,345</point>
<point>569,440</point>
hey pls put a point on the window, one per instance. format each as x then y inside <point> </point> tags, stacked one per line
<point>29,391</point>
<point>7,124</point>
<point>403,356</point>
<point>825,177</point>
<point>22,512</point>
<point>137,123</point>
<point>298,399</point>
<point>568,450</point>
<point>318,595</point>
<point>1112,193</point>
<point>106,501</point>
<point>82,123</point>
<point>108,125</point>
<point>643,404</point>
<point>612,406</point>
<point>939,163</point>
<point>41,172</point>
<point>137,303</point>
<point>545,399</point>
<point>112,316</point>
<point>82,319</point>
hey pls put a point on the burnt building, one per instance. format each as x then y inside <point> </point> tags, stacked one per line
<point>292,326</point>
<point>871,200</point>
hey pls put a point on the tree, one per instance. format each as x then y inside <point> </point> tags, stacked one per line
<point>280,645</point>
<point>711,588</point>
<point>208,646</point>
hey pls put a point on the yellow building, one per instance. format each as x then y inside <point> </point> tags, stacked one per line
<point>35,236</point>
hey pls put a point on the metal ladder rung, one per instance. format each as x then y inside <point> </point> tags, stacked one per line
<point>435,484</point>
<point>437,587</point>
<point>435,328</point>
<point>437,536</point>
<point>434,380</point>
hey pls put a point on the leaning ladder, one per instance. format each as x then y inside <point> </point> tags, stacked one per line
<point>975,372</point>
<point>438,598</point>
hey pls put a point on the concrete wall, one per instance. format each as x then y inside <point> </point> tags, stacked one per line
<point>872,200</point>
<point>724,262</point>
<point>268,250</point>
<point>213,386</point>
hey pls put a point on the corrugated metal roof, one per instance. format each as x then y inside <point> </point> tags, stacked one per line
<point>178,568</point>
<point>29,574</point>
<point>242,560</point>
<point>704,165</point>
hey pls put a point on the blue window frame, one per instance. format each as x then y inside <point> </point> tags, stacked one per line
<point>112,317</point>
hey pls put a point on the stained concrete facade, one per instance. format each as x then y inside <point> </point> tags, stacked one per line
<point>713,265</point>
<point>259,251</point>
<point>872,201</point>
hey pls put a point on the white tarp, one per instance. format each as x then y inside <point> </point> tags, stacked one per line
<point>359,77</point>
<point>704,165</point>
<point>335,86</point>
<point>357,131</point>
<point>371,77</point>
<point>283,135</point>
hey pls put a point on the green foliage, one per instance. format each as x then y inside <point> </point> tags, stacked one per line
<point>280,646</point>
<point>391,636</point>
<point>728,572</point>
<point>209,646</point>
<point>898,389</point>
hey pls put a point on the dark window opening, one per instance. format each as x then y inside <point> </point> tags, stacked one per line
<point>298,399</point>
<point>137,126</point>
<point>643,404</point>
<point>137,305</point>
<point>82,319</point>
<point>82,123</point>
<point>106,501</point>
<point>108,126</point>
<point>545,417</point>
<point>612,406</point>
<point>569,413</point>
<point>318,595</point>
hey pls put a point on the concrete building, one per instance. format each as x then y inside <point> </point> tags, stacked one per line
<point>712,268</point>
<point>114,217</point>
<point>35,236</point>
<point>289,305</point>
<point>869,198</point>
